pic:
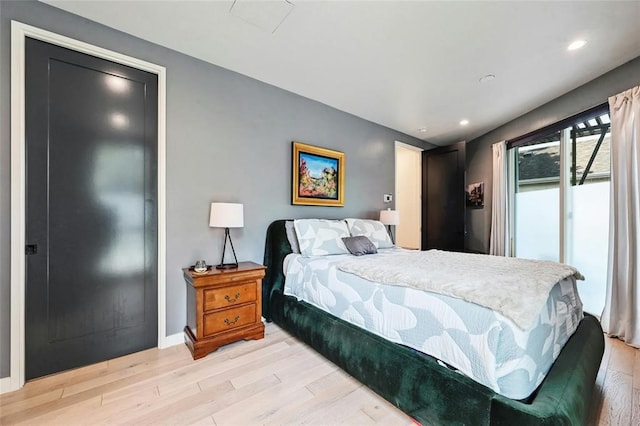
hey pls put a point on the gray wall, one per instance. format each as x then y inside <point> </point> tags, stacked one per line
<point>479,154</point>
<point>228,139</point>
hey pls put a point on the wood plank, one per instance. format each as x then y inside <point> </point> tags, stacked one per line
<point>145,395</point>
<point>54,382</point>
<point>598,392</point>
<point>338,410</point>
<point>305,373</point>
<point>331,381</point>
<point>272,335</point>
<point>78,398</point>
<point>237,366</point>
<point>635,409</point>
<point>212,366</point>
<point>296,356</point>
<point>207,421</point>
<point>264,405</point>
<point>188,410</point>
<point>358,418</point>
<point>636,370</point>
<point>616,407</point>
<point>28,403</point>
<point>129,413</point>
<point>382,411</point>
<point>326,390</point>
<point>139,393</point>
<point>120,369</point>
<point>622,357</point>
<point>293,372</point>
<point>65,415</point>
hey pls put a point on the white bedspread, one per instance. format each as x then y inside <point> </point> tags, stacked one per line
<point>517,288</point>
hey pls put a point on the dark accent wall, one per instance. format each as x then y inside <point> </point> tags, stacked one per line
<point>228,139</point>
<point>479,151</point>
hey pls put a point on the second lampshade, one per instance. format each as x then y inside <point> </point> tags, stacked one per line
<point>227,215</point>
<point>390,217</point>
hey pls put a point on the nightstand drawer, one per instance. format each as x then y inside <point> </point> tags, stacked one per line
<point>229,319</point>
<point>216,298</point>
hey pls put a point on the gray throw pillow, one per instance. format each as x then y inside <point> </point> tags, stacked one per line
<point>359,246</point>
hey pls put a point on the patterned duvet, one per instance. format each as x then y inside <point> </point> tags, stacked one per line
<point>475,340</point>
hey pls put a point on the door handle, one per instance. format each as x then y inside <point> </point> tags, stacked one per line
<point>31,249</point>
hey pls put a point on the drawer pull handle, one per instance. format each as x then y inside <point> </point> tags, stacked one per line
<point>230,323</point>
<point>230,300</point>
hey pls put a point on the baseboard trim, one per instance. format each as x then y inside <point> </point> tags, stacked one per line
<point>5,385</point>
<point>173,340</point>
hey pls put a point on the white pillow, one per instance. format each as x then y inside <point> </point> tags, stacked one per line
<point>319,237</point>
<point>374,230</point>
<point>292,237</point>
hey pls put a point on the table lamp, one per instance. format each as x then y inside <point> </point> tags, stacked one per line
<point>227,215</point>
<point>390,217</point>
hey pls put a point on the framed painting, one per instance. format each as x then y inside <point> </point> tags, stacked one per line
<point>475,194</point>
<point>318,176</point>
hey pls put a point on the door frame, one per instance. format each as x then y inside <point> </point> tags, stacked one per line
<point>19,31</point>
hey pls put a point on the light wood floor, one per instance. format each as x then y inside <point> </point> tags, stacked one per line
<point>276,380</point>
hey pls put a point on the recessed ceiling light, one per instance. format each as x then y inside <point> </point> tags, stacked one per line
<point>422,130</point>
<point>464,122</point>
<point>576,45</point>
<point>487,78</point>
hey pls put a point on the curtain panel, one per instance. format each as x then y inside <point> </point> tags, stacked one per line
<point>499,241</point>
<point>621,316</point>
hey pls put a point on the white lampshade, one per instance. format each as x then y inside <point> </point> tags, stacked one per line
<point>389,217</point>
<point>226,215</point>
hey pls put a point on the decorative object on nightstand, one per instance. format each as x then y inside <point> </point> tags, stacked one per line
<point>227,215</point>
<point>390,217</point>
<point>200,266</point>
<point>223,306</point>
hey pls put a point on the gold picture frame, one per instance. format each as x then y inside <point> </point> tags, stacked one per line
<point>318,176</point>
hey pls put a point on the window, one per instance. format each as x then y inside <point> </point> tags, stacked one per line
<point>560,197</point>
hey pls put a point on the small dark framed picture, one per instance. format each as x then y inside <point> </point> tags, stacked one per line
<point>475,194</point>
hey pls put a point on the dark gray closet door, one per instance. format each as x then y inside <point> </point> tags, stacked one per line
<point>91,148</point>
<point>443,198</point>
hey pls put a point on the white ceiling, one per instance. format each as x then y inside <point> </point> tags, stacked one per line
<point>402,64</point>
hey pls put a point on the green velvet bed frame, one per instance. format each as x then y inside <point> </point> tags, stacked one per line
<point>416,383</point>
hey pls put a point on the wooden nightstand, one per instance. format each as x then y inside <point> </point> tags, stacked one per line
<point>223,306</point>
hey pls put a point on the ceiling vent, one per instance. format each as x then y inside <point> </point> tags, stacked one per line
<point>266,15</point>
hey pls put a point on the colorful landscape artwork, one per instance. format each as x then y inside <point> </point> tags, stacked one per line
<point>318,176</point>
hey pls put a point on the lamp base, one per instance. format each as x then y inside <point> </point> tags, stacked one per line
<point>227,266</point>
<point>223,265</point>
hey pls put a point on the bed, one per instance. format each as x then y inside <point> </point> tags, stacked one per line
<point>421,386</point>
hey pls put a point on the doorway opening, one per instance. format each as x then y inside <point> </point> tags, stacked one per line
<point>408,176</point>
<point>560,193</point>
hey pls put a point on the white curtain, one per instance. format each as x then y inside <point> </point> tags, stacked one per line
<point>621,316</point>
<point>499,242</point>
